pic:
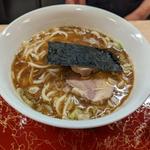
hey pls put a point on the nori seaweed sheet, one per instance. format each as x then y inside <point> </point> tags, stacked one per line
<point>70,54</point>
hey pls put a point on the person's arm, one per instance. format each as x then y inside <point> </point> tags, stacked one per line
<point>141,13</point>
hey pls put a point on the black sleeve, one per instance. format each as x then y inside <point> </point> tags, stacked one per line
<point>11,9</point>
<point>119,7</point>
<point>3,17</point>
<point>51,2</point>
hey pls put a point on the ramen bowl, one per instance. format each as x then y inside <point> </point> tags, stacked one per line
<point>83,16</point>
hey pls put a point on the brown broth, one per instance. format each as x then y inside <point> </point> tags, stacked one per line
<point>42,86</point>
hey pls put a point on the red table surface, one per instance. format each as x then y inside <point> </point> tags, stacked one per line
<point>18,132</point>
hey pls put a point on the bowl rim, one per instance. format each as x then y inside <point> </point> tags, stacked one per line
<point>72,124</point>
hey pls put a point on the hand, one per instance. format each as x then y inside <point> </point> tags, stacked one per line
<point>141,13</point>
<point>82,2</point>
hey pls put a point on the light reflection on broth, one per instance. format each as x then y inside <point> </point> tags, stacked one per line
<point>45,87</point>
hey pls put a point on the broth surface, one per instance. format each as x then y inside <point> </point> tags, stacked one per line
<point>44,88</point>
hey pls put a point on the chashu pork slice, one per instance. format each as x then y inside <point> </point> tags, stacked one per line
<point>96,90</point>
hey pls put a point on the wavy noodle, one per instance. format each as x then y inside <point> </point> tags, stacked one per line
<point>42,54</point>
<point>38,46</point>
<point>59,32</point>
<point>31,75</point>
<point>103,112</point>
<point>28,52</point>
<point>90,108</point>
<point>36,57</point>
<point>20,73</point>
<point>76,31</point>
<point>96,34</point>
<point>104,40</point>
<point>51,93</point>
<point>32,50</point>
<point>111,81</point>
<point>29,45</point>
<point>38,66</point>
<point>44,95</point>
<point>41,79</point>
<point>66,105</point>
<point>58,104</point>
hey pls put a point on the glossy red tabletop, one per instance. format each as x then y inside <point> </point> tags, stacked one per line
<point>18,132</point>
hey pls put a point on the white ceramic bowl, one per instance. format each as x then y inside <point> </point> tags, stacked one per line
<point>24,27</point>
